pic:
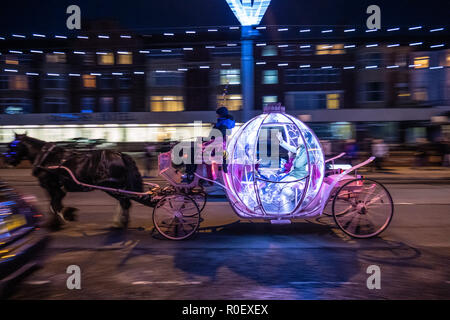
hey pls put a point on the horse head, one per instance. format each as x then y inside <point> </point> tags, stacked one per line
<point>18,150</point>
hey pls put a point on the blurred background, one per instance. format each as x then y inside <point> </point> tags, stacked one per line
<point>137,77</point>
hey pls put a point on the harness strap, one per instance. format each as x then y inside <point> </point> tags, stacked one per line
<point>48,147</point>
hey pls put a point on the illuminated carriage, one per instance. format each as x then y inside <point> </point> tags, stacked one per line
<point>276,171</point>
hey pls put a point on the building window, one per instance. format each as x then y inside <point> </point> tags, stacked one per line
<point>232,101</point>
<point>19,82</point>
<point>420,94</point>
<point>333,100</point>
<point>373,91</point>
<point>421,62</point>
<point>230,76</point>
<point>106,59</point>
<point>51,82</point>
<point>106,83</point>
<point>106,104</point>
<point>55,105</point>
<point>269,51</point>
<point>125,83</point>
<point>87,104</point>
<point>270,76</point>
<point>166,103</point>
<point>372,59</point>
<point>89,81</point>
<point>311,100</point>
<point>11,60</point>
<point>124,104</point>
<point>15,105</point>
<point>4,82</point>
<point>322,49</point>
<point>307,75</point>
<point>166,78</point>
<point>269,99</point>
<point>55,58</point>
<point>125,58</point>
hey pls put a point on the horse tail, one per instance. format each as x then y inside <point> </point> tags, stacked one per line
<point>134,178</point>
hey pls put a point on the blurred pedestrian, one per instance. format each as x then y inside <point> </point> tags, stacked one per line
<point>380,151</point>
<point>326,147</point>
<point>420,156</point>
<point>446,153</point>
<point>149,154</point>
<point>351,150</point>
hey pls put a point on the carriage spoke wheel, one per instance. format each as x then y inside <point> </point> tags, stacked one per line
<point>363,208</point>
<point>176,217</point>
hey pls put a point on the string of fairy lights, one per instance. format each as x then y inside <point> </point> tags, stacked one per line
<point>424,45</point>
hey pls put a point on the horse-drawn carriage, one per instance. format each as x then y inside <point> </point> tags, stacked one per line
<point>277,181</point>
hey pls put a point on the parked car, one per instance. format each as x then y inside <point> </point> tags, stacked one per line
<point>21,238</point>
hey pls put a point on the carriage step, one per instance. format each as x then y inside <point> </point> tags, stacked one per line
<point>280,221</point>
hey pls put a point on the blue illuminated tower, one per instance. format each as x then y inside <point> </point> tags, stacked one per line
<point>249,13</point>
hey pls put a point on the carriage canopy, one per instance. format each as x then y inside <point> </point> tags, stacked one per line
<point>275,166</point>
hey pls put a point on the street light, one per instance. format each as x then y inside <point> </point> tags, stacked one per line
<point>249,13</point>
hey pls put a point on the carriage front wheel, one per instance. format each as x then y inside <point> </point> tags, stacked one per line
<point>176,216</point>
<point>362,208</point>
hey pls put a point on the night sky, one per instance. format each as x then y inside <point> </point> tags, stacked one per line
<point>49,16</point>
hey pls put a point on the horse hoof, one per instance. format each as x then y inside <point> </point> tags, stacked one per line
<point>69,213</point>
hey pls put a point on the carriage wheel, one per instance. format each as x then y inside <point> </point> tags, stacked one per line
<point>176,217</point>
<point>363,208</point>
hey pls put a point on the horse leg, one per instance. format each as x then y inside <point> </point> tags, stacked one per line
<point>56,207</point>
<point>122,215</point>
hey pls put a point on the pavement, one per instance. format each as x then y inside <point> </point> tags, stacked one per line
<point>235,259</point>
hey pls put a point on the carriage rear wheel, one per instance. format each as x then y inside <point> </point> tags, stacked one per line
<point>363,208</point>
<point>176,217</point>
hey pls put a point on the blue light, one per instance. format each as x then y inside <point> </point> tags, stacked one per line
<point>246,13</point>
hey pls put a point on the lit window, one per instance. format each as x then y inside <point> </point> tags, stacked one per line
<point>270,76</point>
<point>106,59</point>
<point>55,58</point>
<point>421,62</point>
<point>18,82</point>
<point>330,49</point>
<point>11,60</point>
<point>230,76</point>
<point>166,103</point>
<point>125,58</point>
<point>421,94</point>
<point>448,59</point>
<point>233,102</point>
<point>269,51</point>
<point>269,99</point>
<point>89,81</point>
<point>333,101</point>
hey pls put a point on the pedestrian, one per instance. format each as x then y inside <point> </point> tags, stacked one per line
<point>380,151</point>
<point>149,153</point>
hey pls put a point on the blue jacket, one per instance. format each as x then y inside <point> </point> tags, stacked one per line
<point>225,123</point>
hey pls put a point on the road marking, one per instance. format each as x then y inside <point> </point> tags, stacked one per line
<point>37,283</point>
<point>321,282</point>
<point>181,283</point>
<point>404,203</point>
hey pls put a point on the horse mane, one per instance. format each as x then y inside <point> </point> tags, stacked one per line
<point>34,141</point>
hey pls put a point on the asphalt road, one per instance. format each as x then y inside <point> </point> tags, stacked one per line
<point>306,260</point>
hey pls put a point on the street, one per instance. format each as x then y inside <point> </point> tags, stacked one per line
<point>228,259</point>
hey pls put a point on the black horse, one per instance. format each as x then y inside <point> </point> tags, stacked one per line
<point>96,167</point>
